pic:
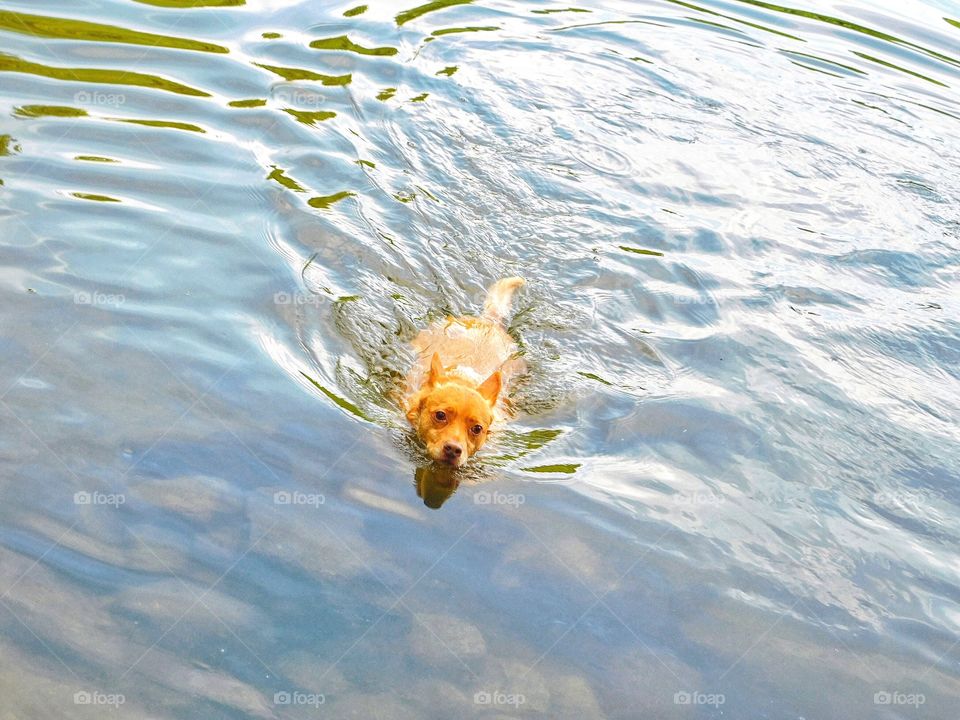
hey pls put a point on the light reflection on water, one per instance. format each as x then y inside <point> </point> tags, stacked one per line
<point>731,488</point>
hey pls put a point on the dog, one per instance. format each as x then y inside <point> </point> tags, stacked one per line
<point>456,388</point>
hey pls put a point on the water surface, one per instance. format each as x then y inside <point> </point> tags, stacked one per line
<point>731,490</point>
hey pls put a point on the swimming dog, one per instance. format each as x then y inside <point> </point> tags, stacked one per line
<point>456,388</point>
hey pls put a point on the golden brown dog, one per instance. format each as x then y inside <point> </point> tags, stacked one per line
<point>456,387</point>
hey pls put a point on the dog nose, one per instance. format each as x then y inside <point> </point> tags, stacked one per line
<point>452,451</point>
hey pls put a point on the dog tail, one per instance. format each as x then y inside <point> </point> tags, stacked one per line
<point>497,305</point>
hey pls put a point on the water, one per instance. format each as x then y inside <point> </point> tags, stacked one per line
<point>732,487</point>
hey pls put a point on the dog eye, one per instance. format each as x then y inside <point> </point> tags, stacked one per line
<point>476,429</point>
<point>440,415</point>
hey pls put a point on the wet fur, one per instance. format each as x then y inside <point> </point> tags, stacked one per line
<point>462,369</point>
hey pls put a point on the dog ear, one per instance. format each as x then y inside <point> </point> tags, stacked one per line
<point>490,388</point>
<point>436,370</point>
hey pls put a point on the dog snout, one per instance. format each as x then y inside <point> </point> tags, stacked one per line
<point>452,451</point>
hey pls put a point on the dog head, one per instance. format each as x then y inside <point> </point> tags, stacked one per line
<point>451,416</point>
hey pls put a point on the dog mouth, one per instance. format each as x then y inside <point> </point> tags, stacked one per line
<point>446,460</point>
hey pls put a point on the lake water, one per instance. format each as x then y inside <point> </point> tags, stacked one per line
<point>732,486</point>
